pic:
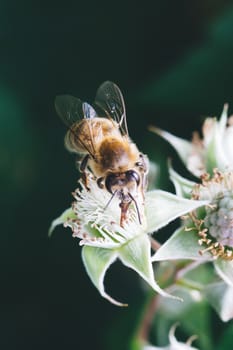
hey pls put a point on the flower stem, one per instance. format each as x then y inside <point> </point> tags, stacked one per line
<point>189,284</point>
<point>147,319</point>
<point>151,306</point>
<point>190,266</point>
<point>155,245</point>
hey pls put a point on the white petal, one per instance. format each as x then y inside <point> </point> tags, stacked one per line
<point>136,255</point>
<point>96,262</point>
<point>214,153</point>
<point>96,236</point>
<point>67,214</point>
<point>220,296</point>
<point>183,147</point>
<point>163,207</point>
<point>225,270</point>
<point>227,145</point>
<point>174,344</point>
<point>223,121</point>
<point>226,313</point>
<point>183,186</point>
<point>181,245</point>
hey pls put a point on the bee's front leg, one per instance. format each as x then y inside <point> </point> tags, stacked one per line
<point>82,169</point>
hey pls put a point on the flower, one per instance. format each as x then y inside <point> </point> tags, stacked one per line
<point>94,219</point>
<point>213,151</point>
<point>174,344</point>
<point>206,233</point>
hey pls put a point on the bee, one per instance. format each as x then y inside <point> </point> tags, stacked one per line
<point>99,133</point>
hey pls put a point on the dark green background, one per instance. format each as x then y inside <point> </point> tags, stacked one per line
<point>174,63</point>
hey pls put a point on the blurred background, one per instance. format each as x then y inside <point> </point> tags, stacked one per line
<point>173,63</point>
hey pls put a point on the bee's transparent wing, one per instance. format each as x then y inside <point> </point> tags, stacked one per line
<point>110,100</point>
<point>71,109</point>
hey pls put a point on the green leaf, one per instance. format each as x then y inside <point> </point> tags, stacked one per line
<point>66,215</point>
<point>136,255</point>
<point>225,270</point>
<point>220,297</point>
<point>97,261</point>
<point>181,245</point>
<point>183,186</point>
<point>163,207</point>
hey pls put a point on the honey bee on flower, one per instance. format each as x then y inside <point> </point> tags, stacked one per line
<point>113,173</point>
<point>100,135</point>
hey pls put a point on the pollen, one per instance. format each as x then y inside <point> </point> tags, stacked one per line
<point>214,227</point>
<point>96,226</point>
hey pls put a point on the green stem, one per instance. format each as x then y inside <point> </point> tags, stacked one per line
<point>147,319</point>
<point>189,284</point>
<point>151,306</point>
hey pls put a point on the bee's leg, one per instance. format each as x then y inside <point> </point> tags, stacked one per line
<point>100,182</point>
<point>82,169</point>
<point>124,208</point>
<point>143,164</point>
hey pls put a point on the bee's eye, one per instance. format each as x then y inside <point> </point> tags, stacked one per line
<point>132,175</point>
<point>115,182</point>
<point>110,181</point>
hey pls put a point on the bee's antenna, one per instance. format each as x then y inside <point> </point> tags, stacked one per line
<point>136,206</point>
<point>113,195</point>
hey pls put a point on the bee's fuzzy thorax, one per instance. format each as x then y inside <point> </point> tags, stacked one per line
<point>117,155</point>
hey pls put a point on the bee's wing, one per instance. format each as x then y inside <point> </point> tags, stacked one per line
<point>110,99</point>
<point>71,110</point>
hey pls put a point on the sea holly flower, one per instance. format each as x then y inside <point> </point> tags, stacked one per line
<point>174,343</point>
<point>94,218</point>
<point>206,233</point>
<point>214,150</point>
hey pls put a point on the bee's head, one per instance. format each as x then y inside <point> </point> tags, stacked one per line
<point>128,180</point>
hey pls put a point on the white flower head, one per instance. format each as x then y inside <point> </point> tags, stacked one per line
<point>215,229</point>
<point>213,150</point>
<point>95,219</point>
<point>206,233</point>
<point>98,217</point>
